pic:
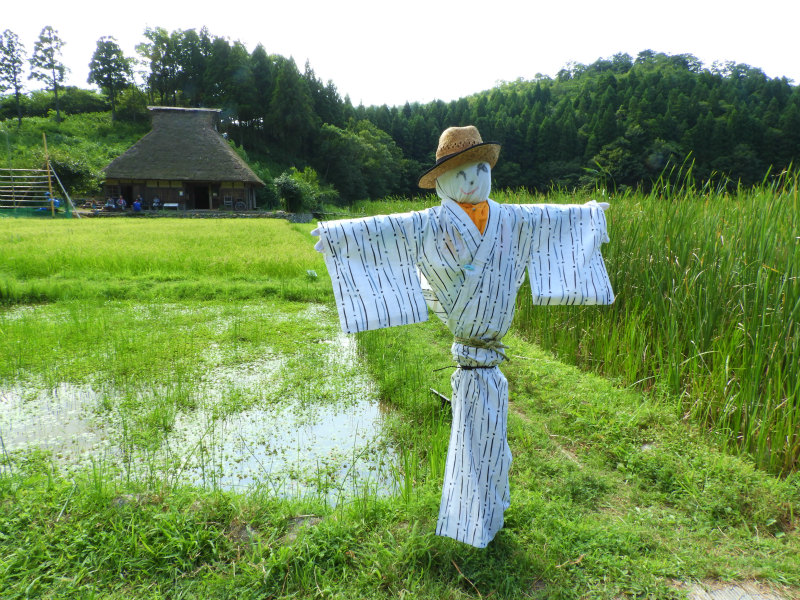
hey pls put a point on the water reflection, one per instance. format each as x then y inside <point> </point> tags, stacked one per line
<point>319,435</point>
<point>335,452</point>
<point>60,420</point>
<point>263,423</point>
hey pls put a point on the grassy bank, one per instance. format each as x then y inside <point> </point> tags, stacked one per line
<point>79,147</point>
<point>612,495</point>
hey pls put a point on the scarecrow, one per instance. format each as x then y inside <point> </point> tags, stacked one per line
<point>466,259</point>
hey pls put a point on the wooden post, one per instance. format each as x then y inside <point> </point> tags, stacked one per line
<point>49,177</point>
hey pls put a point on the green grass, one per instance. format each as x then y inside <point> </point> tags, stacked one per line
<point>160,259</point>
<point>614,493</point>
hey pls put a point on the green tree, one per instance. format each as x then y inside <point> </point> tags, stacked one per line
<point>361,161</point>
<point>193,53</point>
<point>381,159</point>
<point>339,159</point>
<point>161,53</point>
<point>294,194</point>
<point>618,165</point>
<point>240,98</point>
<point>263,75</point>
<point>12,57</point>
<point>263,84</point>
<point>46,62</point>
<point>217,71</point>
<point>231,86</point>
<point>326,101</point>
<point>291,118</point>
<point>110,70</point>
<point>790,126</point>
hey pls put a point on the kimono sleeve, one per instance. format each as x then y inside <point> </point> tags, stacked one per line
<point>371,262</point>
<point>566,266</point>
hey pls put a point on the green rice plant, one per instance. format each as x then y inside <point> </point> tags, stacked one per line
<point>406,472</point>
<point>158,259</point>
<point>437,446</point>
<point>97,484</point>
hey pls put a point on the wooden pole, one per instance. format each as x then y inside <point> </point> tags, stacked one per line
<point>49,177</point>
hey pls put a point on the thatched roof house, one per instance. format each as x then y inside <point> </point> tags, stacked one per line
<point>184,161</point>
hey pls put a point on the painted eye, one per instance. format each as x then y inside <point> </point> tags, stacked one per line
<point>462,174</point>
<point>482,167</point>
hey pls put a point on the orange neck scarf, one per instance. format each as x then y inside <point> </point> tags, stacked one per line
<point>479,213</point>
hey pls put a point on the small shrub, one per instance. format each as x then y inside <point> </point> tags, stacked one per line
<point>293,194</point>
<point>268,197</point>
<point>302,191</point>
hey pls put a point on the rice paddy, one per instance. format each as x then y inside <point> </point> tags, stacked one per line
<point>181,417</point>
<point>198,395</point>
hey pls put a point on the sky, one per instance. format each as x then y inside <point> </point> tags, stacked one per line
<point>422,50</point>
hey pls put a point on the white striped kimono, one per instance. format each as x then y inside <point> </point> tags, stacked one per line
<point>384,268</point>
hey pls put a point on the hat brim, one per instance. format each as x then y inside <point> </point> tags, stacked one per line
<point>484,152</point>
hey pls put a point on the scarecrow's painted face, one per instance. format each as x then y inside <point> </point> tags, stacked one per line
<point>470,183</point>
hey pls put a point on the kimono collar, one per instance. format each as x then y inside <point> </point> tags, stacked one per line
<point>481,245</point>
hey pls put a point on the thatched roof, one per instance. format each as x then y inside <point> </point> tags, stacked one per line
<point>183,145</point>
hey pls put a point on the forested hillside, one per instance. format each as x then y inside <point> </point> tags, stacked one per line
<point>620,121</point>
<point>623,120</point>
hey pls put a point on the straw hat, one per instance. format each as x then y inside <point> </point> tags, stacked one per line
<point>459,146</point>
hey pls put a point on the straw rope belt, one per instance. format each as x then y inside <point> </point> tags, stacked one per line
<point>495,345</point>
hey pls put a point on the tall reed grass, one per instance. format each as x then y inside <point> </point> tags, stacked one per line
<point>707,308</point>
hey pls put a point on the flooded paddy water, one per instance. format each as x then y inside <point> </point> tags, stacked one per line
<point>267,395</point>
